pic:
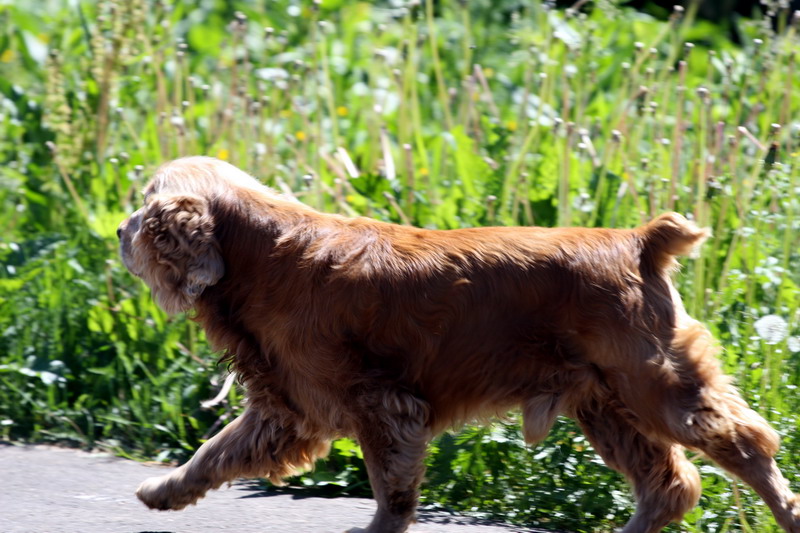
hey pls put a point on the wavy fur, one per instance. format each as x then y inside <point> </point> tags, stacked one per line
<point>391,334</point>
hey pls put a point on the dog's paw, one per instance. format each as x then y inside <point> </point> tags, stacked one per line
<point>162,493</point>
<point>794,506</point>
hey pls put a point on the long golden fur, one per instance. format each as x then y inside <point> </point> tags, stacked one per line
<point>391,334</point>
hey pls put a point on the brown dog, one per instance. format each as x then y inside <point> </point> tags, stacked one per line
<point>391,334</point>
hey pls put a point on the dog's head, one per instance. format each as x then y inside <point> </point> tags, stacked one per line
<point>170,242</point>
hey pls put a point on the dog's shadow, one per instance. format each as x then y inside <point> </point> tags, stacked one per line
<point>261,489</point>
<point>439,516</point>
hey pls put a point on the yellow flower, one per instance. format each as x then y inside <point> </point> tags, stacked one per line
<point>300,136</point>
<point>223,154</point>
<point>7,55</point>
<point>511,125</point>
<point>285,113</point>
<point>488,72</point>
<point>423,171</point>
<point>341,111</point>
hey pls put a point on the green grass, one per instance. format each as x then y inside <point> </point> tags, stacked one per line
<point>440,115</point>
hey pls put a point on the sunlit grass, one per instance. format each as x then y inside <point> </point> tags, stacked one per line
<point>439,115</point>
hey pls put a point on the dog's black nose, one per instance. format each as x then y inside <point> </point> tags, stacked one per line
<point>119,233</point>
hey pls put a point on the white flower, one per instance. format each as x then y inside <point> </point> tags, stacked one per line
<point>272,74</point>
<point>177,121</point>
<point>794,344</point>
<point>771,328</point>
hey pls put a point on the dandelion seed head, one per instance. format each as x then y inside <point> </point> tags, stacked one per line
<point>772,329</point>
<point>793,343</point>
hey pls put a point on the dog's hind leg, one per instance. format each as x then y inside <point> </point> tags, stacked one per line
<point>705,412</point>
<point>741,442</point>
<point>253,445</point>
<point>393,433</point>
<point>666,484</point>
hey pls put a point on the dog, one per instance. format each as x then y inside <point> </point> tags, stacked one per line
<point>391,334</point>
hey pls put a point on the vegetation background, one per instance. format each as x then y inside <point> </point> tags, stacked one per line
<point>440,114</point>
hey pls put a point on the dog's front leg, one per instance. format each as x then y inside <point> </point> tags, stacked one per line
<point>394,435</point>
<point>212,465</point>
<point>253,445</point>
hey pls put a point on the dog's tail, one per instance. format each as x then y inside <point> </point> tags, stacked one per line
<point>667,236</point>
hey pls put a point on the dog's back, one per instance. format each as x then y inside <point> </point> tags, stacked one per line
<point>389,334</point>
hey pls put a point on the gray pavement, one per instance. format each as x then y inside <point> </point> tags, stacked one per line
<point>53,490</point>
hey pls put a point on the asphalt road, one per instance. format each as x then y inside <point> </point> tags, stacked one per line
<point>54,490</point>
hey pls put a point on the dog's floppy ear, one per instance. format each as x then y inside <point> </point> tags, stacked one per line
<point>178,230</point>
